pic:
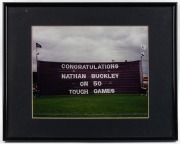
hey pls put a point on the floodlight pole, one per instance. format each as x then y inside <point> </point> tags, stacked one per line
<point>36,59</point>
<point>141,72</point>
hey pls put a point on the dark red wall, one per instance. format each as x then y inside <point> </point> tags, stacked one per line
<point>51,83</point>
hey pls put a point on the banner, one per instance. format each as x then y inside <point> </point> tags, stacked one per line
<point>56,78</point>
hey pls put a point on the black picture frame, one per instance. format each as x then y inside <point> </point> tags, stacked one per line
<point>18,124</point>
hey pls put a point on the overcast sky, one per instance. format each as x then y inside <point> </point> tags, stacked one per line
<point>90,44</point>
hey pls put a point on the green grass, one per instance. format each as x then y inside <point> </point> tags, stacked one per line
<point>91,106</point>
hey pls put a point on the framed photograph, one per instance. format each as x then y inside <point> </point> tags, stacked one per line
<point>90,71</point>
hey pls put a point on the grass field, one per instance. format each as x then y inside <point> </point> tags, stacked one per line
<point>91,106</point>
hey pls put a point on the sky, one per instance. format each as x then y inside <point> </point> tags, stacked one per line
<point>90,44</point>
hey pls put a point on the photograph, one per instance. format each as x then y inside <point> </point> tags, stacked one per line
<point>91,72</point>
